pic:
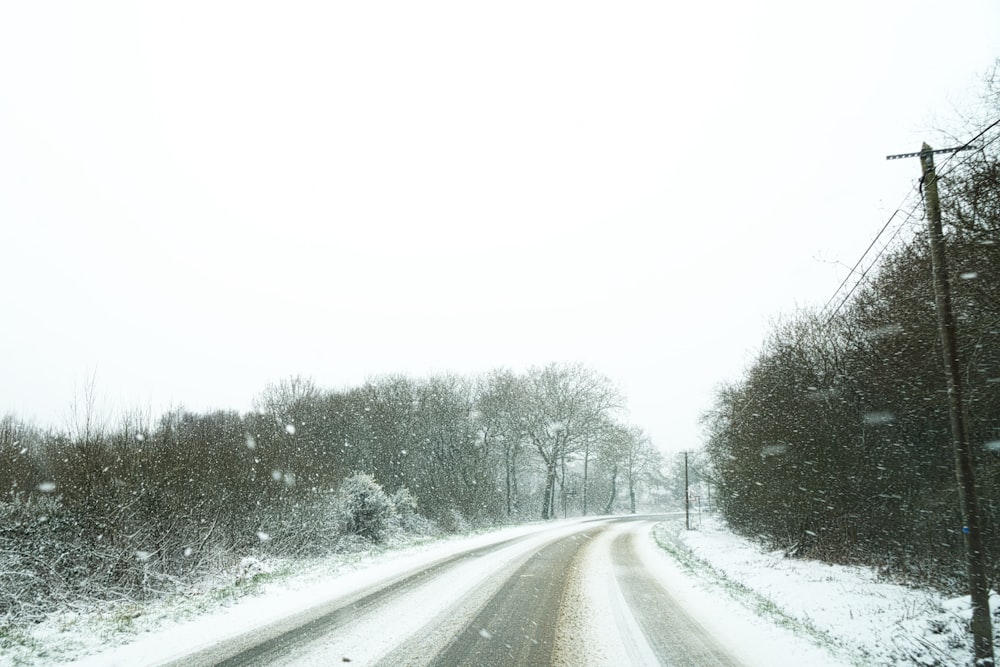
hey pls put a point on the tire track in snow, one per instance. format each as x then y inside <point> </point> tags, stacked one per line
<point>674,636</point>
<point>517,626</point>
<point>616,611</point>
<point>434,604</point>
<point>290,637</point>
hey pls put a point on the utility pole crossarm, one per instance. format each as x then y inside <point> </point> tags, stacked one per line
<point>930,152</point>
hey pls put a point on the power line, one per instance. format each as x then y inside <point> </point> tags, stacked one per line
<point>865,254</point>
<point>861,259</point>
<point>951,154</point>
<point>753,398</point>
<point>864,274</point>
<point>968,157</point>
<point>968,143</point>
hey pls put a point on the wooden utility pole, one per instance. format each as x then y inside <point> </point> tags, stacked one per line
<point>982,627</point>
<point>687,496</point>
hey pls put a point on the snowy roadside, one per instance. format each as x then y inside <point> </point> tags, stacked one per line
<point>134,633</point>
<point>775,610</point>
<point>849,610</point>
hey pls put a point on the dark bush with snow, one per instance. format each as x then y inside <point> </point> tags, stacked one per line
<point>366,509</point>
<point>38,564</point>
<point>407,517</point>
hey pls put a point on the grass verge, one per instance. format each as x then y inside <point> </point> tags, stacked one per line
<point>760,604</point>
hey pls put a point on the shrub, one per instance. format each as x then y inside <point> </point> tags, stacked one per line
<point>366,509</point>
<point>41,558</point>
<point>407,518</point>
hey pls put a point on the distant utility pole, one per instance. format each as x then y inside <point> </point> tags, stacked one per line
<point>982,627</point>
<point>687,496</point>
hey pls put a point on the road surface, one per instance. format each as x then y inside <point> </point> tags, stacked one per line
<point>580,594</point>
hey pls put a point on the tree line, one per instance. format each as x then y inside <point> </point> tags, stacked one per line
<point>836,442</point>
<point>144,505</point>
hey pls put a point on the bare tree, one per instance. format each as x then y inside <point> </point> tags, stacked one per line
<point>625,450</point>
<point>499,405</point>
<point>565,405</point>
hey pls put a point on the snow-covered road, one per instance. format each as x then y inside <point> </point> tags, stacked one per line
<point>577,594</point>
<point>581,592</point>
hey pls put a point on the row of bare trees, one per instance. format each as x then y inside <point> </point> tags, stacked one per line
<point>145,505</point>
<point>486,447</point>
<point>836,442</point>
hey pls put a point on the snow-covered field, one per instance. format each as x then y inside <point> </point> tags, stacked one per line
<point>791,611</point>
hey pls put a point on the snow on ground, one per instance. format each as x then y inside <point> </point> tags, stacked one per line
<point>786,611</point>
<point>852,610</point>
<point>156,632</point>
<point>601,614</point>
<point>752,636</point>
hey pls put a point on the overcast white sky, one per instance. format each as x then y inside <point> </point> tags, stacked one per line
<point>199,198</point>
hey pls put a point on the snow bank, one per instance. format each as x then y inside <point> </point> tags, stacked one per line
<point>850,609</point>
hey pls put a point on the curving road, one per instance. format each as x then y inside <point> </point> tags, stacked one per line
<point>581,594</point>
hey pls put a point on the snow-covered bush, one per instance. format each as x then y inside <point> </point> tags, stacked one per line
<point>452,521</point>
<point>365,508</point>
<point>406,518</point>
<point>404,501</point>
<point>41,558</point>
<point>303,526</point>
